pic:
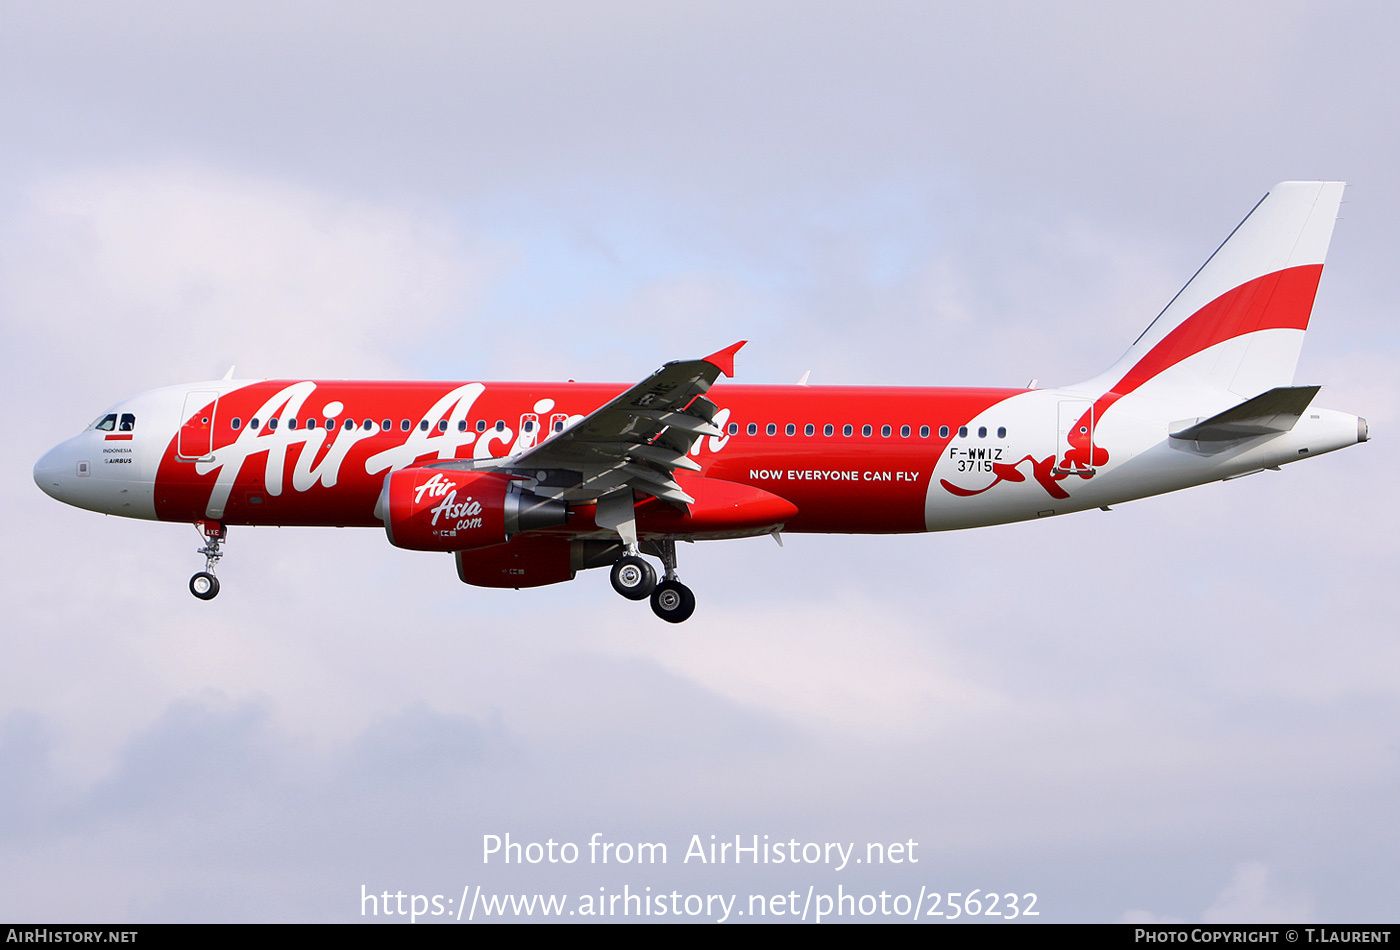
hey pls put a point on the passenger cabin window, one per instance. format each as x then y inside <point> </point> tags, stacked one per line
<point>442,425</point>
<point>387,425</point>
<point>461,425</point>
<point>791,429</point>
<point>733,428</point>
<point>981,432</point>
<point>753,428</point>
<point>923,432</point>
<point>885,431</point>
<point>846,430</point>
<point>481,425</point>
<point>828,429</point>
<point>253,424</point>
<point>962,432</point>
<point>272,425</point>
<point>291,423</point>
<point>943,432</point>
<point>772,428</point>
<point>904,432</point>
<point>236,423</point>
<point>1001,432</point>
<point>405,425</point>
<point>865,430</point>
<point>809,429</point>
<point>423,425</point>
<point>500,425</point>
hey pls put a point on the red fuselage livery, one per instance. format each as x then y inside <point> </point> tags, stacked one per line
<point>852,460</point>
<point>527,483</point>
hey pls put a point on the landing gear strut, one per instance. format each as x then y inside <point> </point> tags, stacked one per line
<point>205,585</point>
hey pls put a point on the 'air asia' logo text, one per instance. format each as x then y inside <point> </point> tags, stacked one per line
<point>467,512</point>
<point>442,431</point>
<point>435,487</point>
<point>288,403</point>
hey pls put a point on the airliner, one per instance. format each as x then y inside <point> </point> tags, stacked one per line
<point>526,484</point>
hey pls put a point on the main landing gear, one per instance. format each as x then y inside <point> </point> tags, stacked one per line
<point>672,601</point>
<point>205,585</point>
<point>632,577</point>
<point>635,579</point>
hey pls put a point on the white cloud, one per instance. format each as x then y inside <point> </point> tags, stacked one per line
<point>851,664</point>
<point>176,271</point>
<point>1254,896</point>
<point>909,194</point>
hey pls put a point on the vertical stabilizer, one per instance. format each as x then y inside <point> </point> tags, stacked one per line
<point>1237,326</point>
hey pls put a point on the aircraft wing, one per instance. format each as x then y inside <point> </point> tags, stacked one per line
<point>638,440</point>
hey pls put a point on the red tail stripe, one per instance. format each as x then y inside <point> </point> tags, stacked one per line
<point>1281,300</point>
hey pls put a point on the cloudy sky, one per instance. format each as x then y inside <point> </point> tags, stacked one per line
<point>1185,709</point>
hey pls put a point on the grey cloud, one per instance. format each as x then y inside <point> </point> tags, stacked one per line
<point>1116,709</point>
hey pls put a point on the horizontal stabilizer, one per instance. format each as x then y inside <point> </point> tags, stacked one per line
<point>1270,413</point>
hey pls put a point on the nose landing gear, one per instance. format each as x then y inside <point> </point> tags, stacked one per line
<point>205,585</point>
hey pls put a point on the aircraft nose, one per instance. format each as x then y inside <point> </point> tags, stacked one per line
<point>52,472</point>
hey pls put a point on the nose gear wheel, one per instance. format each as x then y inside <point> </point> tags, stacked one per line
<point>204,585</point>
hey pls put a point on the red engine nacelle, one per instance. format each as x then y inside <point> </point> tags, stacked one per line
<point>534,561</point>
<point>437,509</point>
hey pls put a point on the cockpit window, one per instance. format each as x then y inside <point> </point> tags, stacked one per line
<point>107,423</point>
<point>128,422</point>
